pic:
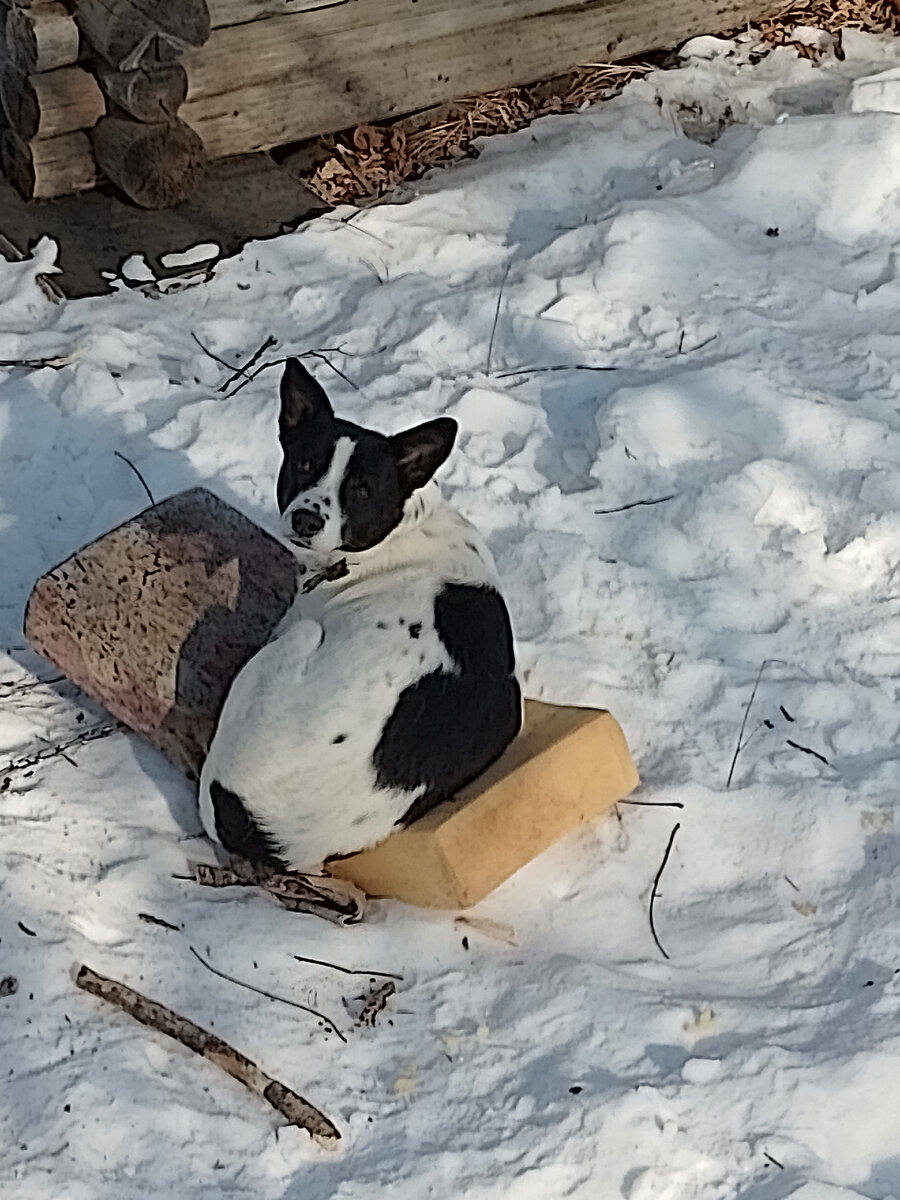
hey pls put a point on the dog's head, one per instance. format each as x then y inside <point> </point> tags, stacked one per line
<point>342,487</point>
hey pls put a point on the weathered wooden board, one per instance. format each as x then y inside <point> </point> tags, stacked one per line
<point>239,12</point>
<point>304,85</point>
<point>341,35</point>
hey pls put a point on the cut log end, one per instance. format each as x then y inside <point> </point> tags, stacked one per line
<point>40,36</point>
<point>56,166</point>
<point>155,165</point>
<point>129,34</point>
<point>50,104</point>
<point>147,94</point>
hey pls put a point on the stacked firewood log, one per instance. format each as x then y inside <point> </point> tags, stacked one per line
<point>93,89</point>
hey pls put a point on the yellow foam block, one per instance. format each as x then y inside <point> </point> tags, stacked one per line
<point>567,766</point>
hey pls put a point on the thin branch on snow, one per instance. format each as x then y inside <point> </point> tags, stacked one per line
<point>691,349</point>
<point>321,962</point>
<point>293,1107</point>
<point>56,363</point>
<point>57,750</point>
<point>149,919</point>
<point>211,354</point>
<point>320,354</point>
<point>655,892</point>
<point>278,362</point>
<point>559,367</point>
<point>807,750</point>
<point>268,995</point>
<point>487,369</point>
<point>129,463</point>
<point>740,742</point>
<point>653,803</point>
<point>12,688</point>
<point>251,362</point>
<point>604,512</point>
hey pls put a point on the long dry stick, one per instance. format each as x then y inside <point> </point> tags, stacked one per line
<point>58,750</point>
<point>655,892</point>
<point>292,1107</point>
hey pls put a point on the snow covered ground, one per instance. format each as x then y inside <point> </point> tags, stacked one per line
<point>726,236</point>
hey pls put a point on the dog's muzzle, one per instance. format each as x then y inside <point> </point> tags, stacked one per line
<point>306,524</point>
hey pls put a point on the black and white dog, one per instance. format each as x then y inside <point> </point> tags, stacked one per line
<point>386,689</point>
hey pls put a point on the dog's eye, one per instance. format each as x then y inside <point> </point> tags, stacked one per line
<point>305,467</point>
<point>362,491</point>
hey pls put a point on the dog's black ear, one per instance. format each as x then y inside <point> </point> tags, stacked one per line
<point>421,450</point>
<point>302,398</point>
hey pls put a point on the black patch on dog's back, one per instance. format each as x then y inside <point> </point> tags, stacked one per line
<point>449,727</point>
<point>238,832</point>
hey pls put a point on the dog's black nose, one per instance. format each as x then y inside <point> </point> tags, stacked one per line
<point>306,524</point>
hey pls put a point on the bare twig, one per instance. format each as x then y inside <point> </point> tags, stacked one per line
<point>149,919</point>
<point>740,742</point>
<point>806,750</point>
<point>268,995</point>
<point>328,363</point>
<point>128,461</point>
<point>37,364</point>
<point>321,962</point>
<point>487,369</point>
<point>541,370</point>
<point>294,1108</point>
<point>251,362</point>
<point>653,803</point>
<point>12,688</point>
<point>692,349</point>
<point>59,749</point>
<point>277,362</point>
<point>603,512</point>
<point>210,354</point>
<point>655,892</point>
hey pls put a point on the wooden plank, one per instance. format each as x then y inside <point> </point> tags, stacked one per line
<point>51,103</point>
<point>240,56</point>
<point>240,12</point>
<point>332,85</point>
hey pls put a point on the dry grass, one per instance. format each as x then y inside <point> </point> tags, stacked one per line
<point>370,160</point>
